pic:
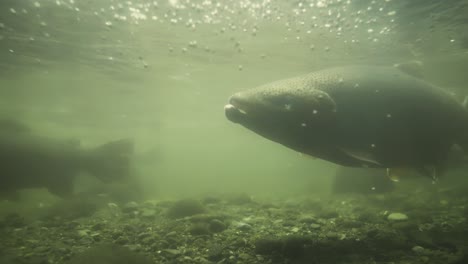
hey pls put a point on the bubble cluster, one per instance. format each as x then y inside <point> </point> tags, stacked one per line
<point>188,27</point>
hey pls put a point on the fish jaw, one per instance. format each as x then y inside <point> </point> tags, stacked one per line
<point>237,109</point>
<point>233,113</point>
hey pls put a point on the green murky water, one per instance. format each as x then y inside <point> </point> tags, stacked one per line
<point>160,72</point>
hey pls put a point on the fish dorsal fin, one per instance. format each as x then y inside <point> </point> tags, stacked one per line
<point>413,68</point>
<point>13,126</point>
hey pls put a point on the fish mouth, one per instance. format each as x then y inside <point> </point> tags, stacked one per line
<point>234,110</point>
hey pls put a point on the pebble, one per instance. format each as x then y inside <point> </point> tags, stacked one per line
<point>173,252</point>
<point>130,207</point>
<point>397,217</point>
<point>83,232</point>
<point>148,213</point>
<point>419,250</point>
<point>314,226</point>
<point>217,226</point>
<point>243,226</point>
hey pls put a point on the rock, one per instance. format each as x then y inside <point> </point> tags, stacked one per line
<point>113,206</point>
<point>148,213</point>
<point>314,226</point>
<point>185,207</point>
<point>216,226</point>
<point>98,226</point>
<point>397,217</point>
<point>172,252</point>
<point>243,226</point>
<point>134,247</point>
<point>130,207</point>
<point>308,219</point>
<point>83,232</point>
<point>419,250</point>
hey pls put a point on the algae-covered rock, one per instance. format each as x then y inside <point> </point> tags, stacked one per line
<point>397,217</point>
<point>184,208</point>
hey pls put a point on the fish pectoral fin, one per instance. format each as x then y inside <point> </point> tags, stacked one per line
<point>394,174</point>
<point>432,171</point>
<point>365,157</point>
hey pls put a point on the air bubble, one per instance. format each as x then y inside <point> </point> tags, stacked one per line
<point>193,44</point>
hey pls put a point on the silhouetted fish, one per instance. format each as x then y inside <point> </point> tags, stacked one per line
<point>32,161</point>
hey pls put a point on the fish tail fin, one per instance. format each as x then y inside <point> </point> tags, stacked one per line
<point>112,161</point>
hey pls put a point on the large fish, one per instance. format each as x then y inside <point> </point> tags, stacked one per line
<point>31,161</point>
<point>358,116</point>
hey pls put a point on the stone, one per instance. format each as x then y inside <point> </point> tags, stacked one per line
<point>397,217</point>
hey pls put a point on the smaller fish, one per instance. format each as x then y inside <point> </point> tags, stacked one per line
<point>28,160</point>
